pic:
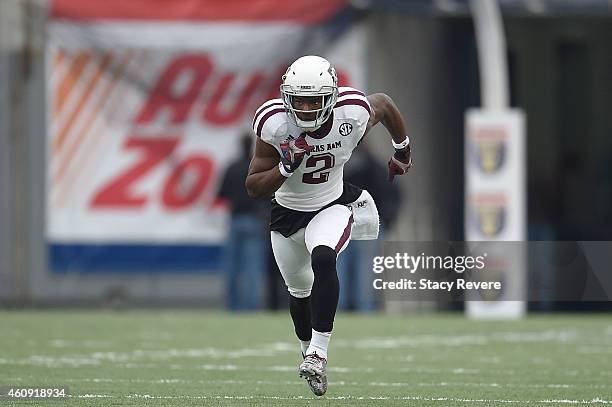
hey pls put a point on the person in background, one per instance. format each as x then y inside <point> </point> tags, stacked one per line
<point>246,248</point>
<point>355,267</point>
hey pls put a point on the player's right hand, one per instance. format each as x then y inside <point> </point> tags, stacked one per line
<point>293,151</point>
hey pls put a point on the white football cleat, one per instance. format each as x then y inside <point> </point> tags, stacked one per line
<point>313,369</point>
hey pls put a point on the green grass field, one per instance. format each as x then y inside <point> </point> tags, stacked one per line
<point>200,358</point>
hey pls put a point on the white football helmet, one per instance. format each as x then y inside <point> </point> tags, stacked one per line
<point>310,76</point>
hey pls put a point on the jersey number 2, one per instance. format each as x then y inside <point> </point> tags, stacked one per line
<point>319,175</point>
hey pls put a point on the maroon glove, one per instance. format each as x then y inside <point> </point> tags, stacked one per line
<point>293,150</point>
<point>399,163</point>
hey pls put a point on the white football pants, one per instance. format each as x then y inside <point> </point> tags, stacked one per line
<point>331,227</point>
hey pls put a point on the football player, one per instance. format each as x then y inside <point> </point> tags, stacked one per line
<point>303,141</point>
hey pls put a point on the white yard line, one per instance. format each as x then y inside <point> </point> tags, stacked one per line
<point>403,398</point>
<point>414,341</point>
<point>336,383</point>
<point>273,349</point>
<point>77,361</point>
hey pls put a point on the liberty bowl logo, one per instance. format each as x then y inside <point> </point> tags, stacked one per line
<point>489,213</point>
<point>488,148</point>
<point>345,129</point>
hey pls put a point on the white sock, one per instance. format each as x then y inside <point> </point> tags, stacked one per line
<point>304,346</point>
<point>319,343</point>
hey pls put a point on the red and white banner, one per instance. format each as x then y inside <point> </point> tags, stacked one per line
<point>147,100</point>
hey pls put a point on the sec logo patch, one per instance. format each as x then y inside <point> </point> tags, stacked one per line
<point>345,129</point>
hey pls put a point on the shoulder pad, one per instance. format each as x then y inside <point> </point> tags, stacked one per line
<point>356,104</point>
<point>268,118</point>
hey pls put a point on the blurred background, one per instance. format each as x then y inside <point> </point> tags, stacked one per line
<point>125,134</point>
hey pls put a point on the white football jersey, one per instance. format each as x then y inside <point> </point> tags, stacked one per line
<point>319,179</point>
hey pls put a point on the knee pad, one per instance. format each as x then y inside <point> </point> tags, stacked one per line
<point>299,292</point>
<point>323,258</point>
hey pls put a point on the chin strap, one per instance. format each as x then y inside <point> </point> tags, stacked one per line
<point>307,129</point>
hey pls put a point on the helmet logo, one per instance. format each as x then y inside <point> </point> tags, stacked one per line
<point>332,73</point>
<point>345,129</point>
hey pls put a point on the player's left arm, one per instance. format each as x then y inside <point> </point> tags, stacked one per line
<point>386,112</point>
